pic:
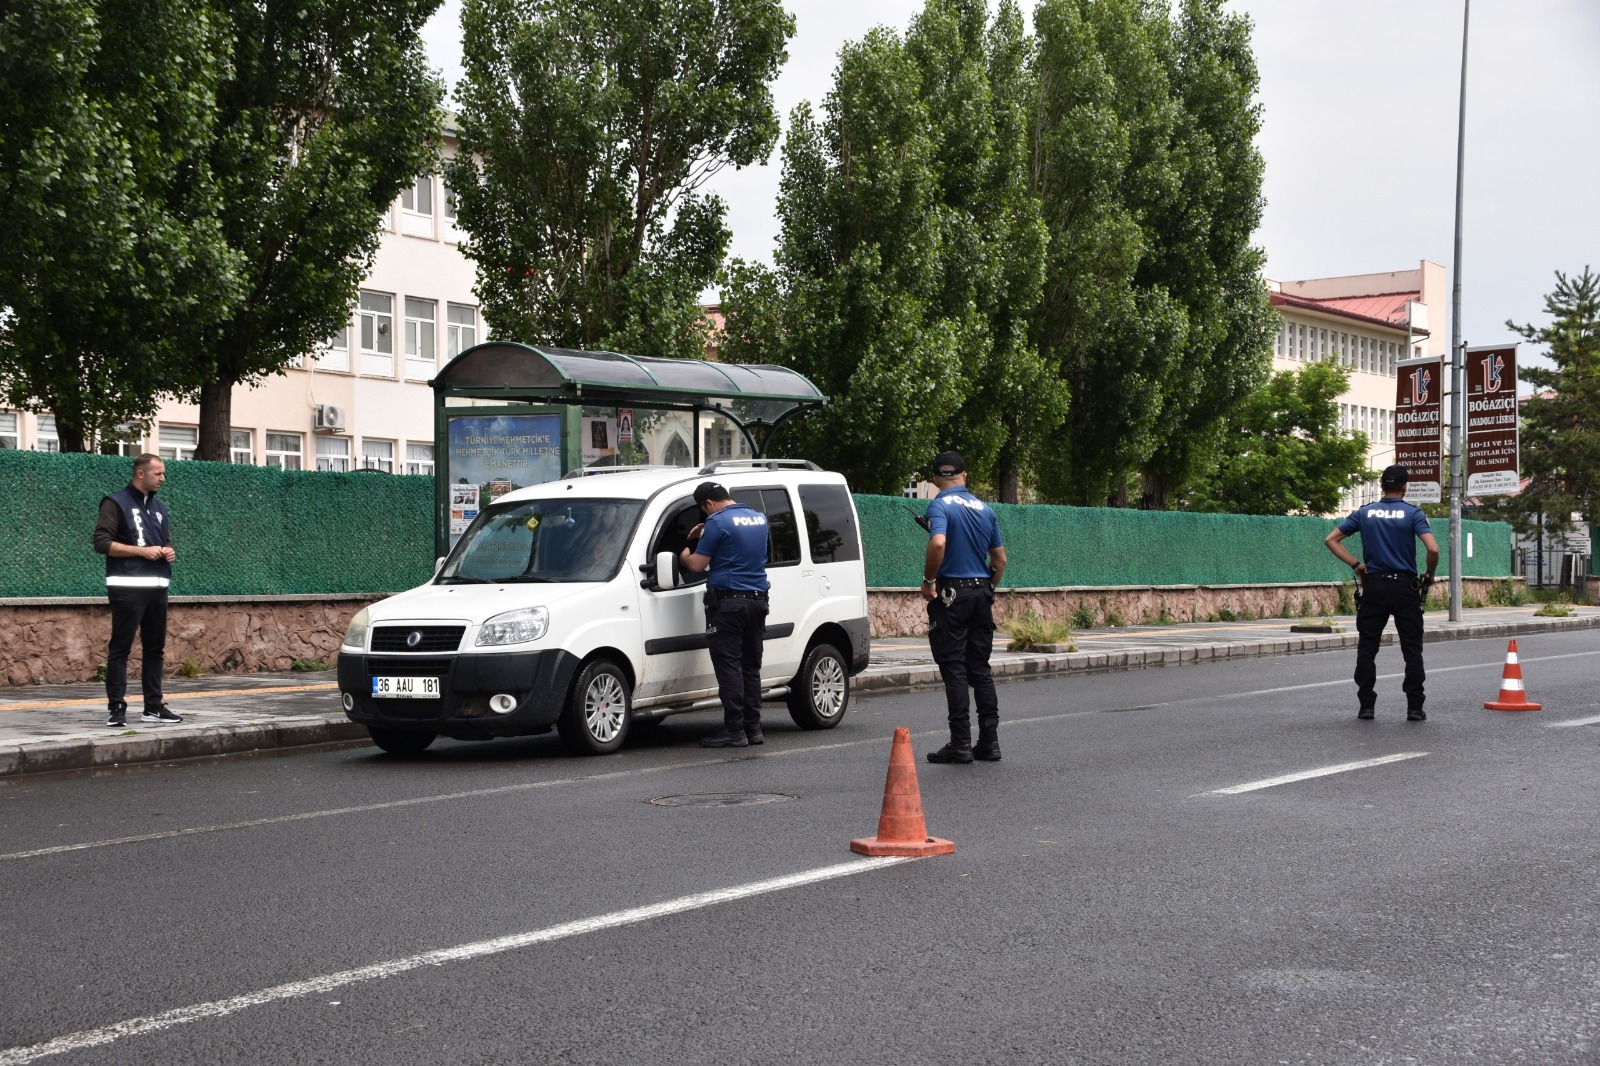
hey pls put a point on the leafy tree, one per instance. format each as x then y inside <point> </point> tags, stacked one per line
<point>1281,451</point>
<point>911,256</point>
<point>106,110</point>
<point>587,133</point>
<point>328,110</point>
<point>1561,420</point>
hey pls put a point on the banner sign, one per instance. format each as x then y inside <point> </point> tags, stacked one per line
<point>1419,427</point>
<point>491,455</point>
<point>1492,437</point>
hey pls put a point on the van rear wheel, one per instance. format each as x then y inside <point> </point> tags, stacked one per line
<point>401,741</point>
<point>598,712</point>
<point>820,692</point>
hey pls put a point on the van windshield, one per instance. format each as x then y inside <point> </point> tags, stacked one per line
<point>544,541</point>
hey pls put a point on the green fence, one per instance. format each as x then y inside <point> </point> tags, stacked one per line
<point>249,530</point>
<point>238,530</point>
<point>1054,546</point>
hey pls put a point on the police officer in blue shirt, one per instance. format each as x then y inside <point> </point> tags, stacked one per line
<point>732,542</point>
<point>1389,530</point>
<point>961,568</point>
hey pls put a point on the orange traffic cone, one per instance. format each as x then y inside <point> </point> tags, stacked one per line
<point>901,829</point>
<point>1512,697</point>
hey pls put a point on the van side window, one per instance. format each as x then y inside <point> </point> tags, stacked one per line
<point>783,536</point>
<point>830,524</point>
<point>674,536</point>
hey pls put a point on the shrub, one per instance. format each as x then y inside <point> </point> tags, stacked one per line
<point>1165,617</point>
<point>1030,631</point>
<point>310,666</point>
<point>1083,616</point>
<point>1306,607</point>
<point>1347,597</point>
<point>1114,617</point>
<point>1225,613</point>
<point>189,668</point>
<point>1507,593</point>
<point>1553,610</point>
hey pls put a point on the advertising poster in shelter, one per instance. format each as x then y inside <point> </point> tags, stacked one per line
<point>1419,427</point>
<point>599,439</point>
<point>491,455</point>
<point>1492,438</point>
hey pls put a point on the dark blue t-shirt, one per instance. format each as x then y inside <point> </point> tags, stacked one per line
<point>970,529</point>
<point>1389,530</point>
<point>735,540</point>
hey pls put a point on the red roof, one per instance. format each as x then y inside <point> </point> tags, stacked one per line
<point>1387,309</point>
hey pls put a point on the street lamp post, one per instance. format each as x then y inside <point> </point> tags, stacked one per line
<point>1457,367</point>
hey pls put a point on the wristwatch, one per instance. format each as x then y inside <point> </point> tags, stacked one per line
<point>930,581</point>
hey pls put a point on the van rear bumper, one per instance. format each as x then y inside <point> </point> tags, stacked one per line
<point>537,680</point>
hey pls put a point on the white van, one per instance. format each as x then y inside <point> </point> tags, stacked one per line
<point>563,606</point>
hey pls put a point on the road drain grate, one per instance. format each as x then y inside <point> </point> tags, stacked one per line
<point>721,799</point>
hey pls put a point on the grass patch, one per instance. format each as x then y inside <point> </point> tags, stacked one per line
<point>1507,594</point>
<point>1347,597</point>
<point>1083,616</point>
<point>1224,613</point>
<point>1030,631</point>
<point>310,666</point>
<point>189,668</point>
<point>100,673</point>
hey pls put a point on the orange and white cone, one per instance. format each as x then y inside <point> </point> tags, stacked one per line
<point>901,828</point>
<point>1512,696</point>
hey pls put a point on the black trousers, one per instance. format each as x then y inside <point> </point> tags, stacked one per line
<point>1381,600</point>
<point>961,636</point>
<point>143,609</point>
<point>734,631</point>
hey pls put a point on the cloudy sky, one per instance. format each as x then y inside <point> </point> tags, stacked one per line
<point>1359,135</point>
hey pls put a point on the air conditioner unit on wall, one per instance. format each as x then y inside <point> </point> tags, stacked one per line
<point>329,418</point>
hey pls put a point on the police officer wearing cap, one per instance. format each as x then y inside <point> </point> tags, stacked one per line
<point>732,542</point>
<point>1390,586</point>
<point>961,568</point>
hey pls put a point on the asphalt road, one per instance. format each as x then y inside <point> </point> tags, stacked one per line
<point>1106,904</point>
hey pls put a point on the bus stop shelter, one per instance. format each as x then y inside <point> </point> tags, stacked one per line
<point>508,414</point>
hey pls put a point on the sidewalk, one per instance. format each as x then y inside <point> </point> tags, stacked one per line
<point>61,727</point>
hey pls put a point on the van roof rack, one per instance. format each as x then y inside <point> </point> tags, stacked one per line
<point>759,464</point>
<point>591,471</point>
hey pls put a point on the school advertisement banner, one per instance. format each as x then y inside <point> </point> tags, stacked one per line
<point>1493,468</point>
<point>496,454</point>
<point>1419,427</point>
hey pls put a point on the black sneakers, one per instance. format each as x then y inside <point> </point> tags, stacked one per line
<point>117,716</point>
<point>752,733</point>
<point>159,713</point>
<point>1417,715</point>
<point>726,739</point>
<point>950,753</point>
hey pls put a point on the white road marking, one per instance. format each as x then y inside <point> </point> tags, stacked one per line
<point>527,785</point>
<point>1322,771</point>
<point>1591,720</point>
<point>327,982</point>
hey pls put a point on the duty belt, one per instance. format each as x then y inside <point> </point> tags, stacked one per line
<point>1392,577</point>
<point>963,582</point>
<point>736,594</point>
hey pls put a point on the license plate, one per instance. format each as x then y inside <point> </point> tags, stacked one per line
<point>401,688</point>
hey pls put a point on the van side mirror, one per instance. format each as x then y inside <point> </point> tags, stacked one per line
<point>438,564</point>
<point>666,570</point>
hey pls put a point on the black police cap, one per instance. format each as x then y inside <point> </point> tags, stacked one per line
<point>949,464</point>
<point>1395,476</point>
<point>709,490</point>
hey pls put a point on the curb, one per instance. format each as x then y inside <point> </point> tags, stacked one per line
<point>45,756</point>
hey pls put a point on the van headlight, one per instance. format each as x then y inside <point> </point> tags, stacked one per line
<point>514,627</point>
<point>355,634</point>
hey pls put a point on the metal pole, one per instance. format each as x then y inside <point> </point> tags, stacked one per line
<point>1457,386</point>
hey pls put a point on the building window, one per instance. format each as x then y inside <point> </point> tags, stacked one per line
<point>377,455</point>
<point>1322,343</point>
<point>241,447</point>
<point>416,207</point>
<point>377,334</point>
<point>419,458</point>
<point>126,440</point>
<point>177,442</point>
<point>44,438</point>
<point>452,232</point>
<point>10,437</point>
<point>1277,340</point>
<point>286,451</point>
<point>461,332</point>
<point>421,360</point>
<point>333,454</point>
<point>335,355</point>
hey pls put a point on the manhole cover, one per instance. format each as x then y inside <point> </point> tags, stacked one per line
<point>721,799</point>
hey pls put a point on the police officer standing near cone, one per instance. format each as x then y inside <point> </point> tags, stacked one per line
<point>732,542</point>
<point>1390,586</point>
<point>960,570</point>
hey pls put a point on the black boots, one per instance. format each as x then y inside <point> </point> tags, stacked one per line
<point>951,753</point>
<point>988,746</point>
<point>726,739</point>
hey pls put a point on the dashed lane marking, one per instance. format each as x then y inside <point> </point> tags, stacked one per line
<point>460,953</point>
<point>1591,720</point>
<point>1303,775</point>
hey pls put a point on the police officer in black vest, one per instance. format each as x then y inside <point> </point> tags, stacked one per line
<point>961,569</point>
<point>732,542</point>
<point>134,533</point>
<point>1390,586</point>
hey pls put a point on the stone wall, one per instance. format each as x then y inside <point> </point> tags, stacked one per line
<point>54,641</point>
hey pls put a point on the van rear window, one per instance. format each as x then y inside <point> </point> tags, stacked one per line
<point>830,524</point>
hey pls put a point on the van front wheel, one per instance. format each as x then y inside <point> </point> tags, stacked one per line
<point>820,692</point>
<point>595,721</point>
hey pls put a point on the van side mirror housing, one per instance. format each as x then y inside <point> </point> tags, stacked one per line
<point>438,564</point>
<point>666,570</point>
